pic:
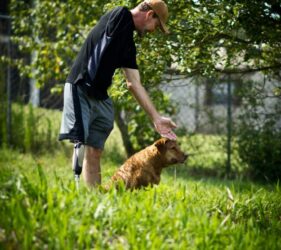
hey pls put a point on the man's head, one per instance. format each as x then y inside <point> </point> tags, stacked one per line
<point>149,15</point>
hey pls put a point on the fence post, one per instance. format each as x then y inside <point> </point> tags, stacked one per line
<point>34,91</point>
<point>229,124</point>
<point>9,96</point>
<point>9,85</point>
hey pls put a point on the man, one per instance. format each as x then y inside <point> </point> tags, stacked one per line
<point>88,113</point>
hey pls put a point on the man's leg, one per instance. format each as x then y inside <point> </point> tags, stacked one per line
<point>91,166</point>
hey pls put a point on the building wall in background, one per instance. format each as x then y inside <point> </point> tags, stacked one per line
<point>202,103</point>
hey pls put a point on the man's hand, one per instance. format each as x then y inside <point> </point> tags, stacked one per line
<point>162,124</point>
<point>164,127</point>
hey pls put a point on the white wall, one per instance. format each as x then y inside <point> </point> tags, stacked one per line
<point>190,94</point>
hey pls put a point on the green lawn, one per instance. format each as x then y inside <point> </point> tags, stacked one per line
<point>40,208</point>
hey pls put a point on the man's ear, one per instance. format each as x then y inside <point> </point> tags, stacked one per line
<point>149,15</point>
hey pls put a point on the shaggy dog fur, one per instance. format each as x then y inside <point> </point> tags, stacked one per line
<point>144,168</point>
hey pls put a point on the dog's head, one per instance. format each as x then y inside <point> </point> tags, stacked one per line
<point>170,151</point>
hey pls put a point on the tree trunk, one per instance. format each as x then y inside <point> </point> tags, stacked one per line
<point>122,125</point>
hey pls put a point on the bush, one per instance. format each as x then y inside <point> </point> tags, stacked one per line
<point>260,149</point>
<point>259,131</point>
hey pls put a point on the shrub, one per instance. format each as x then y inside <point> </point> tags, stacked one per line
<point>259,131</point>
<point>260,149</point>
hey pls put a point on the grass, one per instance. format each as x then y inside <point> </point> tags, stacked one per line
<point>40,208</point>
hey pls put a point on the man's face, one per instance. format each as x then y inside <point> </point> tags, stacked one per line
<point>151,23</point>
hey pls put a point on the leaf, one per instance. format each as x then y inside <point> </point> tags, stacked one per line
<point>229,194</point>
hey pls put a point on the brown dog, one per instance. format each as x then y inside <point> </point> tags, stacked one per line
<point>144,168</point>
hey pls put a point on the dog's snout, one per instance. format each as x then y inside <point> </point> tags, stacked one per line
<point>182,158</point>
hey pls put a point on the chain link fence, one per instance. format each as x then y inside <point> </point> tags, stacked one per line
<point>15,90</point>
<point>211,111</point>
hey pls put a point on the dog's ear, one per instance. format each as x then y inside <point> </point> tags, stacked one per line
<point>165,143</point>
<point>160,143</point>
<point>170,143</point>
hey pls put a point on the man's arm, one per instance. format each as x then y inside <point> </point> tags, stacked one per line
<point>162,124</point>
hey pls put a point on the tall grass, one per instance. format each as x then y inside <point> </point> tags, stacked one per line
<point>40,207</point>
<point>32,129</point>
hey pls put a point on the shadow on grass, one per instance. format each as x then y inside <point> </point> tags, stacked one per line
<point>217,177</point>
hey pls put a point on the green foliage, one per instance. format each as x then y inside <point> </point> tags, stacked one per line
<point>208,156</point>
<point>207,37</point>
<point>261,150</point>
<point>218,36</point>
<point>49,133</point>
<point>29,132</point>
<point>3,106</point>
<point>42,209</point>
<point>3,125</point>
<point>18,123</point>
<point>140,128</point>
<point>32,130</point>
<point>54,32</point>
<point>199,31</point>
<point>259,133</point>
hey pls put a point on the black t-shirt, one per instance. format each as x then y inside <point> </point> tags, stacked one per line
<point>119,51</point>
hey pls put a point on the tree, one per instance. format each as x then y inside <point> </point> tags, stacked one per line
<point>248,32</point>
<point>207,38</point>
<point>56,31</point>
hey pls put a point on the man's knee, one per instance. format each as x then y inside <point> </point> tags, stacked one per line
<point>92,153</point>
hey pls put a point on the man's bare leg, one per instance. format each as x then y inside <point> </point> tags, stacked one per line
<point>91,166</point>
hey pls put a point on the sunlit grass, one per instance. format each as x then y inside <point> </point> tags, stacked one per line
<point>40,207</point>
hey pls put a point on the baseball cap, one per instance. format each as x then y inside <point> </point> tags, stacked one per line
<point>161,10</point>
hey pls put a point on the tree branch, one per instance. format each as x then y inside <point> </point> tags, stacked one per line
<point>248,70</point>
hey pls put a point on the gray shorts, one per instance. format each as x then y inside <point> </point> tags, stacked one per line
<point>85,119</point>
